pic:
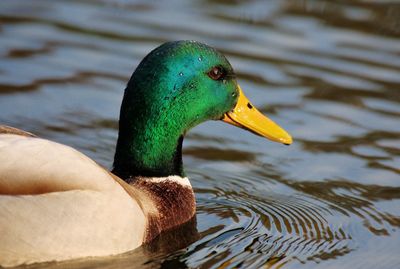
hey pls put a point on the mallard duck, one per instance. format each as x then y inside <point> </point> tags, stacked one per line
<point>57,204</point>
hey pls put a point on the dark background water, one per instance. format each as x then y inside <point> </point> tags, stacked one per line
<point>328,71</point>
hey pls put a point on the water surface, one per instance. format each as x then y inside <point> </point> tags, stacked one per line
<point>328,71</point>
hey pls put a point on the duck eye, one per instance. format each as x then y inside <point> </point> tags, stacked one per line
<point>216,73</point>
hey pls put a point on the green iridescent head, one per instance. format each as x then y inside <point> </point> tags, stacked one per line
<point>175,87</point>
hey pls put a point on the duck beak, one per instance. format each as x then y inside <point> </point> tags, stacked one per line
<point>246,116</point>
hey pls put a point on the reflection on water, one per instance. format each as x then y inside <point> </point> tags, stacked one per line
<point>328,71</point>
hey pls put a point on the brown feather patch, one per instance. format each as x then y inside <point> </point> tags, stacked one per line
<point>175,204</point>
<point>4,129</point>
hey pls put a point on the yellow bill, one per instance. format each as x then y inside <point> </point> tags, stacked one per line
<point>246,116</point>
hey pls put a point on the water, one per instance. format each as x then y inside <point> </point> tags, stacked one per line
<point>328,71</point>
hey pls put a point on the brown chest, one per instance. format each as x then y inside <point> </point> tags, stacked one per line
<point>175,204</point>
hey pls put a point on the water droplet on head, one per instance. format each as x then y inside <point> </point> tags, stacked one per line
<point>200,58</point>
<point>181,74</point>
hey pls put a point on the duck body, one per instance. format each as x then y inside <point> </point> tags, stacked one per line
<point>57,204</point>
<point>49,214</point>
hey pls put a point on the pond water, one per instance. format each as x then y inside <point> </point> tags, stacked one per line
<point>327,71</point>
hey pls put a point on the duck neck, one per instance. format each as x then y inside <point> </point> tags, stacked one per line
<point>149,145</point>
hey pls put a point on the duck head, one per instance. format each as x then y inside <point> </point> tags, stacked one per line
<point>176,87</point>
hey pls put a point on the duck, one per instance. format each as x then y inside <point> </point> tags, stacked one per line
<point>57,204</point>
